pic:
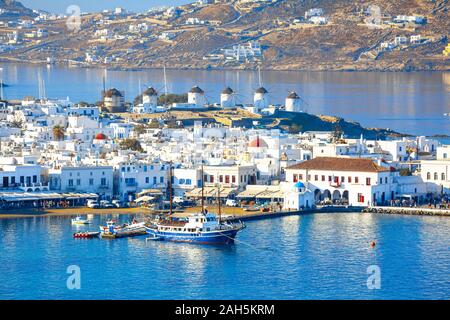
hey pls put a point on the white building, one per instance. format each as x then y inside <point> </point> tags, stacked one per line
<point>436,173</point>
<point>24,176</point>
<point>360,182</point>
<point>133,177</point>
<point>298,197</point>
<point>235,176</point>
<point>86,179</point>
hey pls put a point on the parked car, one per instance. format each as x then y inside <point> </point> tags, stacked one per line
<point>231,203</point>
<point>178,200</point>
<point>106,204</point>
<point>93,204</point>
<point>119,204</point>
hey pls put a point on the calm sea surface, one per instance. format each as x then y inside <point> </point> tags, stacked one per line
<point>319,256</point>
<point>412,103</point>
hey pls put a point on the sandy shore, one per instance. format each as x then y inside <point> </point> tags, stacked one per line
<point>28,213</point>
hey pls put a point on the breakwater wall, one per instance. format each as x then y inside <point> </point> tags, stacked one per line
<point>409,211</point>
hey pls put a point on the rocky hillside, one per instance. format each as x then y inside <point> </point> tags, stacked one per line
<point>348,41</point>
<point>12,9</point>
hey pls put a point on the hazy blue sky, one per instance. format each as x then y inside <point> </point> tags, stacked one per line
<point>60,6</point>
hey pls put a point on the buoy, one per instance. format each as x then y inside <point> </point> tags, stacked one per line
<point>372,244</point>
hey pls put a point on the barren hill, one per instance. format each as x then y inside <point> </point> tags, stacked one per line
<point>349,40</point>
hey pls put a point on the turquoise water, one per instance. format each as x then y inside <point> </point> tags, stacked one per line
<point>409,102</point>
<point>320,256</point>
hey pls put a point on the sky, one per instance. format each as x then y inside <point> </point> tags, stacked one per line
<point>60,6</point>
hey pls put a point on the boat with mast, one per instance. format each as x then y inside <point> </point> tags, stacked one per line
<point>202,228</point>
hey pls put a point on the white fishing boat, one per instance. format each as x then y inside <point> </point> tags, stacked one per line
<point>80,221</point>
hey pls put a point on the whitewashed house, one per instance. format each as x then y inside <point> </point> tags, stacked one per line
<point>360,182</point>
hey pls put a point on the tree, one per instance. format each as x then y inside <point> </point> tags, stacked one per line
<point>139,129</point>
<point>172,98</point>
<point>154,124</point>
<point>58,133</point>
<point>131,144</point>
<point>16,124</point>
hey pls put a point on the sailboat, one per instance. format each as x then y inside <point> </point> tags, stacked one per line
<point>201,228</point>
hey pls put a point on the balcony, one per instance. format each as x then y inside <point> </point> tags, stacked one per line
<point>335,184</point>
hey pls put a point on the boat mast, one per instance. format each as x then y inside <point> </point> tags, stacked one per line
<point>170,190</point>
<point>203,191</point>
<point>219,204</point>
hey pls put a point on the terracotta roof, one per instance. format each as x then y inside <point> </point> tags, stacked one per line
<point>258,143</point>
<point>340,164</point>
<point>101,136</point>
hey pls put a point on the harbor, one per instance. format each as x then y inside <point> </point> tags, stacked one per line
<point>291,255</point>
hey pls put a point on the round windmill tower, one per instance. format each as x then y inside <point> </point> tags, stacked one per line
<point>293,102</point>
<point>261,99</point>
<point>196,96</point>
<point>150,97</point>
<point>227,98</point>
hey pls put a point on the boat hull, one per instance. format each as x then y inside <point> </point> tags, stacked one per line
<point>213,237</point>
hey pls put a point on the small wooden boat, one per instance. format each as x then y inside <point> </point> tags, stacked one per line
<point>112,231</point>
<point>86,235</point>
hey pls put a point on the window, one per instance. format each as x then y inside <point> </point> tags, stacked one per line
<point>323,178</point>
<point>386,180</point>
<point>145,168</point>
<point>211,178</point>
<point>342,179</point>
<point>147,179</point>
<point>295,178</point>
<point>381,180</point>
<point>78,182</point>
<point>349,179</point>
<point>227,179</point>
<point>233,179</point>
<point>300,176</point>
<point>205,178</point>
<point>91,182</point>
<point>221,178</point>
<point>103,181</point>
<point>154,180</point>
<point>356,180</point>
<point>444,156</point>
<point>161,179</point>
<point>330,178</point>
<point>316,177</point>
<point>188,181</point>
<point>435,176</point>
<point>70,182</point>
<point>428,176</point>
<point>367,181</point>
